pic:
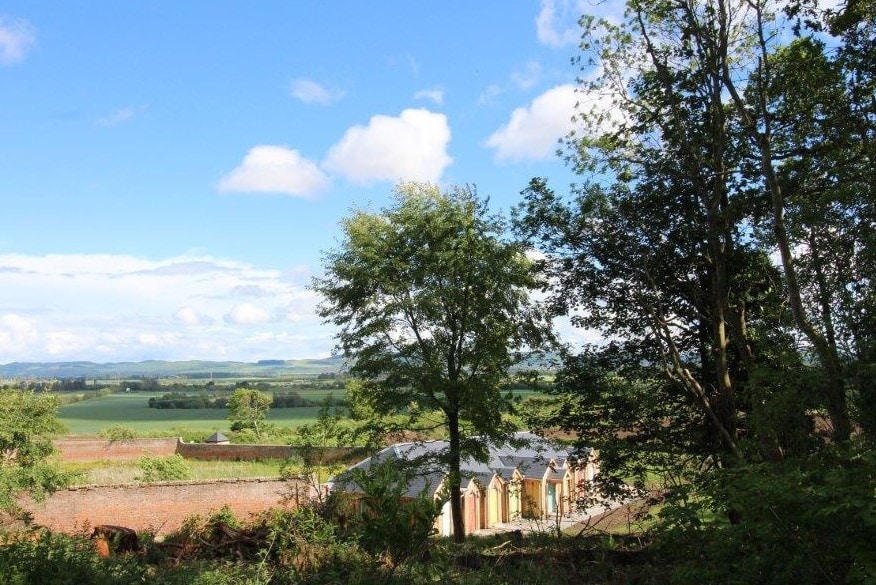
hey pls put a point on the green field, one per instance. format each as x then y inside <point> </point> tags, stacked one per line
<point>131,410</point>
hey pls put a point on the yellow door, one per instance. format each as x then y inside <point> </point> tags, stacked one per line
<point>492,507</point>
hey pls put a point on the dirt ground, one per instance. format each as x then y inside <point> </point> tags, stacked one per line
<point>596,515</point>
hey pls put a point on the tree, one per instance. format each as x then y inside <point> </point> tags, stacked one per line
<point>433,308</point>
<point>247,409</point>
<point>28,422</point>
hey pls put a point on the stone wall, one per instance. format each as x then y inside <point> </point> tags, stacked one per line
<point>162,507</point>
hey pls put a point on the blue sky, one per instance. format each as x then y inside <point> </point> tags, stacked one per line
<point>172,170</point>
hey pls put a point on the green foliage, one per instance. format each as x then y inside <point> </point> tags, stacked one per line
<point>391,525</point>
<point>805,520</point>
<point>309,548</point>
<point>28,422</point>
<point>432,305</point>
<point>117,433</point>
<point>169,468</point>
<point>57,559</point>
<point>247,409</point>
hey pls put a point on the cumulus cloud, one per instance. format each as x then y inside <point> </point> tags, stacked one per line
<point>436,94</point>
<point>187,316</point>
<point>310,92</point>
<point>120,308</point>
<point>246,314</point>
<point>412,146</point>
<point>556,23</point>
<point>17,37</point>
<point>15,330</point>
<point>275,169</point>
<point>533,131</point>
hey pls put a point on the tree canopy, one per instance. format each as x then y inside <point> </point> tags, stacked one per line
<point>721,240</point>
<point>433,307</point>
<point>247,409</point>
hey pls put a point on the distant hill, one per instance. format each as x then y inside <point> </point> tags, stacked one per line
<point>194,369</point>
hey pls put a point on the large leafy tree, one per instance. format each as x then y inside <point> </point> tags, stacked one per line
<point>650,250</point>
<point>713,146</point>
<point>433,307</point>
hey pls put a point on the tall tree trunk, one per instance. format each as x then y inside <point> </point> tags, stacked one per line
<point>759,131</point>
<point>454,477</point>
<point>705,167</point>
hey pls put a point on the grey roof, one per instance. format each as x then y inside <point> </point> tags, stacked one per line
<point>216,438</point>
<point>526,452</point>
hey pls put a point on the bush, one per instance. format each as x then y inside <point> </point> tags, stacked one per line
<point>117,433</point>
<point>805,520</point>
<point>172,467</point>
<point>392,526</point>
<point>57,559</point>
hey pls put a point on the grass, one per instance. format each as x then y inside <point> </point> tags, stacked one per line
<point>131,410</point>
<point>117,472</point>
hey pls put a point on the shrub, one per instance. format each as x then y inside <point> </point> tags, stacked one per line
<point>391,525</point>
<point>805,520</point>
<point>117,433</point>
<point>57,559</point>
<point>172,467</point>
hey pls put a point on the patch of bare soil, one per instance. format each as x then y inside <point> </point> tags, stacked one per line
<point>624,519</point>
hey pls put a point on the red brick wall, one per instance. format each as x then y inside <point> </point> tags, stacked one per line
<point>255,452</point>
<point>99,449</point>
<point>161,507</point>
<point>233,452</point>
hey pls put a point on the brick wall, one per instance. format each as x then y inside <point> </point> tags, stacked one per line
<point>233,452</point>
<point>255,452</point>
<point>99,449</point>
<point>161,507</point>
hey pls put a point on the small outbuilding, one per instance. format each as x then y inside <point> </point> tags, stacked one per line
<point>217,438</point>
<point>528,477</point>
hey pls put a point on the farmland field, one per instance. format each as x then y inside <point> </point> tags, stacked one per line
<point>131,410</point>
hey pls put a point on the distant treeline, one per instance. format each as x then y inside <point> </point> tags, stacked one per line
<point>203,400</point>
<point>56,385</point>
<point>320,382</point>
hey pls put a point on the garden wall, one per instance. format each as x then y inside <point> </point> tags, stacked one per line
<point>130,449</point>
<point>162,507</point>
<point>124,450</point>
<point>229,452</point>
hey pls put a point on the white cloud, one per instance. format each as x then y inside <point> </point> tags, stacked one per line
<point>15,331</point>
<point>533,131</point>
<point>246,314</point>
<point>528,76</point>
<point>120,308</point>
<point>117,117</point>
<point>187,316</point>
<point>16,39</point>
<point>60,343</point>
<point>275,169</point>
<point>412,146</point>
<point>557,22</point>
<point>310,92</point>
<point>436,94</point>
